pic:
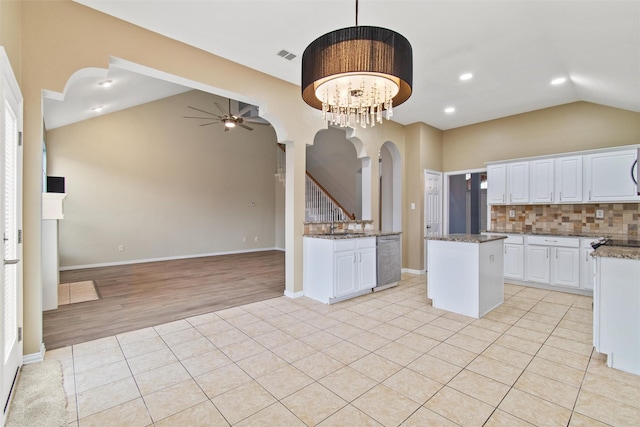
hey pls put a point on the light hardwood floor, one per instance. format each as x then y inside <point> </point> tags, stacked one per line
<point>141,295</point>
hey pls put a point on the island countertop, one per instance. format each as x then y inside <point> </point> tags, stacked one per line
<point>352,235</point>
<point>607,251</point>
<point>466,238</point>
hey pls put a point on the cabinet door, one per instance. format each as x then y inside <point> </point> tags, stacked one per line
<point>568,179</point>
<point>345,273</point>
<point>566,267</point>
<point>366,268</point>
<point>496,184</point>
<point>513,261</point>
<point>608,177</point>
<point>538,264</point>
<point>518,183</point>
<point>541,181</point>
<point>588,269</point>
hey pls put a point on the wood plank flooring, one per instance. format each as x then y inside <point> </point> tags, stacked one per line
<point>141,295</point>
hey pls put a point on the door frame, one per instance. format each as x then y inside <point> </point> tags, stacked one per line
<point>445,197</point>
<point>9,84</point>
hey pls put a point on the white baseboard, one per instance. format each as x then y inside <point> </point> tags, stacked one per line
<point>140,261</point>
<point>34,357</point>
<point>412,271</point>
<point>290,294</point>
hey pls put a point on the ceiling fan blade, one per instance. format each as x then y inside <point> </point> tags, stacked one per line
<point>222,109</point>
<point>244,126</point>
<point>256,121</point>
<point>193,117</point>
<point>202,111</point>
<point>212,123</point>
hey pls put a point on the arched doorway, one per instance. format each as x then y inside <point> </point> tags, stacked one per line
<point>390,172</point>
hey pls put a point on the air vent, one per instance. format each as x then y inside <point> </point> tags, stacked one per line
<point>286,54</point>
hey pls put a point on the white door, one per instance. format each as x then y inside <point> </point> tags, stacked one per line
<point>10,214</point>
<point>541,181</point>
<point>366,268</point>
<point>496,184</point>
<point>513,261</point>
<point>538,264</point>
<point>518,183</point>
<point>567,267</point>
<point>432,207</point>
<point>345,271</point>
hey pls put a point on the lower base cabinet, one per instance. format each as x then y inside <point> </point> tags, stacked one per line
<point>337,269</point>
<point>553,260</point>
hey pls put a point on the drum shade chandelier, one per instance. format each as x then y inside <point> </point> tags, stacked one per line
<point>353,74</point>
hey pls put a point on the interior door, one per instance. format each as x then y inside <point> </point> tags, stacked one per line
<point>10,214</point>
<point>432,207</point>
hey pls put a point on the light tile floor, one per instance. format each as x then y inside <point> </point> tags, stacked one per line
<point>71,293</point>
<point>387,358</point>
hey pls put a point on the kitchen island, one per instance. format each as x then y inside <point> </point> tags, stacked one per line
<point>616,306</point>
<point>465,273</point>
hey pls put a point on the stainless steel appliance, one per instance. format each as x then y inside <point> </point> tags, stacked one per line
<point>389,261</point>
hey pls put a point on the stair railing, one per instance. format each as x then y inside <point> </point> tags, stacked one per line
<point>320,205</point>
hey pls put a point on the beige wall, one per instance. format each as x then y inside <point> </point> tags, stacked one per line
<point>59,38</point>
<point>10,33</point>
<point>423,151</point>
<point>572,127</point>
<point>162,185</point>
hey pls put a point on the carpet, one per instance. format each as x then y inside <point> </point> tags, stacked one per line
<point>39,399</point>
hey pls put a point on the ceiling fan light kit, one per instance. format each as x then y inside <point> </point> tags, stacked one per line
<point>354,74</point>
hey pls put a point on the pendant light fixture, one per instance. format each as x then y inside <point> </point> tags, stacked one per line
<point>353,74</point>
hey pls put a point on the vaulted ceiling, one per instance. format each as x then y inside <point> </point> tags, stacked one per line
<point>514,49</point>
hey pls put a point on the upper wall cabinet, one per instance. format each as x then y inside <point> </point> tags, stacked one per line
<point>518,183</point>
<point>508,183</point>
<point>541,181</point>
<point>608,177</point>
<point>556,180</point>
<point>568,179</point>
<point>497,184</point>
<point>594,176</point>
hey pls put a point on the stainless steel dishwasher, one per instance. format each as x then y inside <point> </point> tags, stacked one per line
<point>389,261</point>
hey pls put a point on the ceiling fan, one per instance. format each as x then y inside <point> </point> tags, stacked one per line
<point>229,120</point>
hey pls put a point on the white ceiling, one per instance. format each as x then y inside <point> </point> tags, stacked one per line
<point>513,48</point>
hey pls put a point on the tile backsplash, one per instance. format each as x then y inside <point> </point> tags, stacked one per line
<point>618,218</point>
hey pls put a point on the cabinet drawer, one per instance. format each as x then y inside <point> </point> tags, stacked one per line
<point>514,240</point>
<point>567,242</point>
<point>366,242</point>
<point>344,244</point>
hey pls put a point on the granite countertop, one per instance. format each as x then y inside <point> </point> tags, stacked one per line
<point>466,238</point>
<point>607,251</point>
<point>556,233</point>
<point>354,235</point>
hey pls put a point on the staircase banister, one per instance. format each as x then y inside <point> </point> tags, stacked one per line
<point>351,216</point>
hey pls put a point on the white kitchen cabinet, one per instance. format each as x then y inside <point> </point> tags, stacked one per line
<point>497,184</point>
<point>541,181</point>
<point>518,183</point>
<point>337,269</point>
<point>566,267</point>
<point>587,264</point>
<point>514,257</point>
<point>616,312</point>
<point>568,180</point>
<point>538,264</point>
<point>607,177</point>
<point>508,183</point>
<point>553,260</point>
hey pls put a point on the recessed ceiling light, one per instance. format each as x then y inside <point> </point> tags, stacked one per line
<point>558,81</point>
<point>449,110</point>
<point>105,83</point>
<point>97,109</point>
<point>466,76</point>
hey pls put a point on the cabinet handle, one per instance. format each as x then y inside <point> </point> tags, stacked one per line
<point>502,197</point>
<point>589,194</point>
<point>586,258</point>
<point>505,249</point>
<point>551,196</point>
<point>354,259</point>
<point>510,198</point>
<point>360,259</point>
<point>547,252</point>
<point>556,253</point>
<point>549,240</point>
<point>561,196</point>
